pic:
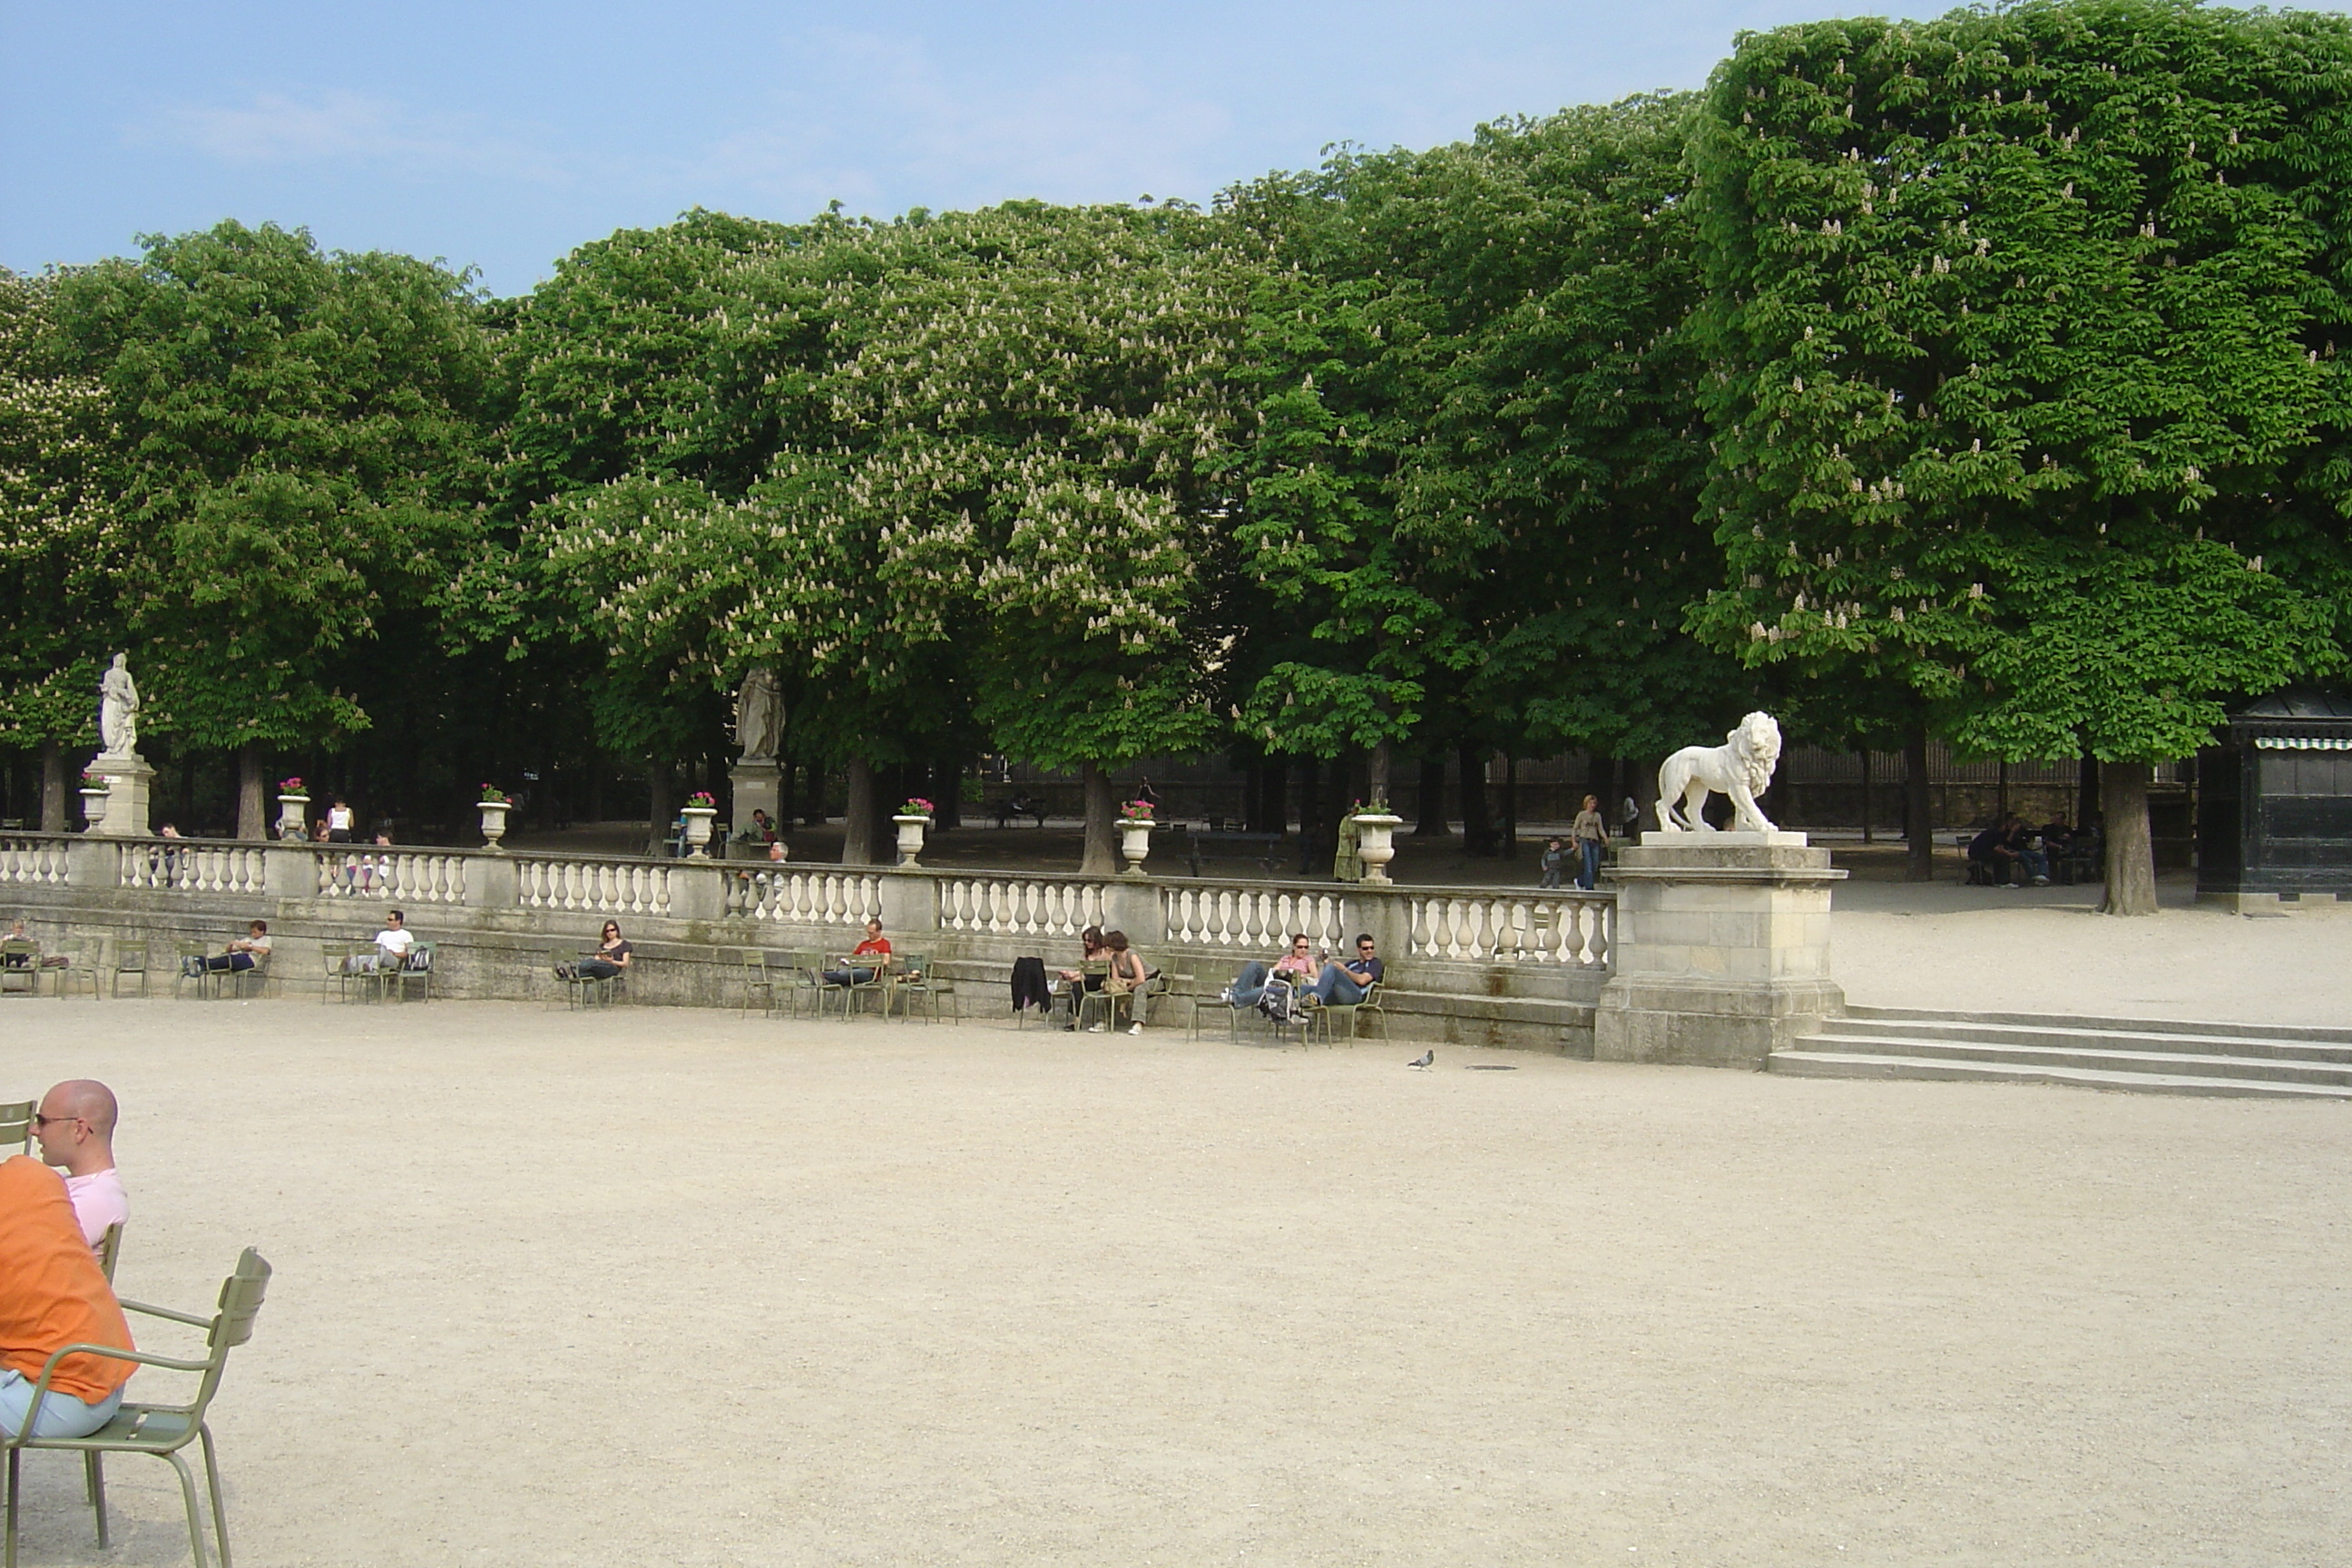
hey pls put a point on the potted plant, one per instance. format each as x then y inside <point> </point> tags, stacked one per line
<point>913,818</point>
<point>494,803</point>
<point>95,788</point>
<point>293,809</point>
<point>1376,827</point>
<point>1135,825</point>
<point>699,808</point>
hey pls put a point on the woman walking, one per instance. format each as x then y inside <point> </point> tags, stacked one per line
<point>1590,833</point>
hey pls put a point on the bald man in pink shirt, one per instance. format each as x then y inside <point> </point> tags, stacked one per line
<point>76,1127</point>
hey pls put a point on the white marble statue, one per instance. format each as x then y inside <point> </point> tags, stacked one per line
<point>1740,768</point>
<point>759,715</point>
<point>118,710</point>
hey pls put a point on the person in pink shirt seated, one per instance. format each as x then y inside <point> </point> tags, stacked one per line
<point>76,1127</point>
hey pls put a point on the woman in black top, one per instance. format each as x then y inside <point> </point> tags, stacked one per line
<point>612,957</point>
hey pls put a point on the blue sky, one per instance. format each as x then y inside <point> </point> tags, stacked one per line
<point>500,135</point>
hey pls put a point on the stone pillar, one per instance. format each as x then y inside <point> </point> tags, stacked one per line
<point>1133,905</point>
<point>1386,913</point>
<point>93,862</point>
<point>492,882</point>
<point>754,786</point>
<point>910,906</point>
<point>130,780</point>
<point>290,871</point>
<point>1723,949</point>
<point>698,889</point>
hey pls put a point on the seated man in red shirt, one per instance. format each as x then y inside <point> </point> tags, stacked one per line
<point>875,946</point>
<point>51,1296</point>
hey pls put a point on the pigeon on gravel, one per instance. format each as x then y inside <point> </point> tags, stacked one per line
<point>1422,1060</point>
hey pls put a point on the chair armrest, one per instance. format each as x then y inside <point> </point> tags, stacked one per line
<point>110,1352</point>
<point>191,1320</point>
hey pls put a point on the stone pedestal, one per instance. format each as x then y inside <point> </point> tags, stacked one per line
<point>1723,949</point>
<point>130,780</point>
<point>754,784</point>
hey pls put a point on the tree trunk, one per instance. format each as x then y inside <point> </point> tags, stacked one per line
<point>949,794</point>
<point>252,812</point>
<point>1865,794</point>
<point>1917,829</point>
<point>1429,809</point>
<point>53,787</point>
<point>1376,788</point>
<point>1100,858</point>
<point>1477,827</point>
<point>661,805</point>
<point>2131,855</point>
<point>1310,821</point>
<point>1510,845</point>
<point>2086,791</point>
<point>788,799</point>
<point>858,825</point>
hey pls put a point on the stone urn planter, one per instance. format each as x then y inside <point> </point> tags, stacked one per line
<point>494,822</point>
<point>93,805</point>
<point>697,830</point>
<point>910,837</point>
<point>1376,843</point>
<point>293,817</point>
<point>1135,843</point>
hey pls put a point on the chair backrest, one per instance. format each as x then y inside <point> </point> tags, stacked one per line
<point>19,947</point>
<point>131,957</point>
<point>911,964</point>
<point>109,1247</point>
<point>755,963</point>
<point>240,1301</point>
<point>193,949</point>
<point>420,959</point>
<point>16,1125</point>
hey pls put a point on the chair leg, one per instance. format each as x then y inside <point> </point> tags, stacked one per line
<point>212,1481</point>
<point>196,1512</point>
<point>93,1479</point>
<point>13,1454</point>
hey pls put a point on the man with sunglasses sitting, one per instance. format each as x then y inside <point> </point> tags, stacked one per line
<point>76,1127</point>
<point>1349,983</point>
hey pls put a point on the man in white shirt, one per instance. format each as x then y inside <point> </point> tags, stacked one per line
<point>76,1127</point>
<point>392,945</point>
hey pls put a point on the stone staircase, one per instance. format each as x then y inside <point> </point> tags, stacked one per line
<point>2142,1055</point>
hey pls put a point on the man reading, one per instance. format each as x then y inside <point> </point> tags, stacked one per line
<point>51,1296</point>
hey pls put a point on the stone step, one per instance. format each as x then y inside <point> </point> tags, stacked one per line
<point>2316,1034</point>
<point>1816,1063</point>
<point>2090,1051</point>
<point>2210,1040</point>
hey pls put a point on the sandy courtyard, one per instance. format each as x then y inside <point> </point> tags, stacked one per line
<point>667,1287</point>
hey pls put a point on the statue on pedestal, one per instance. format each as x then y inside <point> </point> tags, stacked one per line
<point>759,715</point>
<point>118,710</point>
<point>1741,768</point>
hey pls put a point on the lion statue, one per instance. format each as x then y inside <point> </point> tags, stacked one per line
<point>1740,768</point>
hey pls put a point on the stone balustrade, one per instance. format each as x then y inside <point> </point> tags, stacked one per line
<point>1506,967</point>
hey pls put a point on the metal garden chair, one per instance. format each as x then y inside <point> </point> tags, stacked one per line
<point>20,965</point>
<point>190,952</point>
<point>758,980</point>
<point>130,959</point>
<point>918,982</point>
<point>79,964</point>
<point>163,1430</point>
<point>16,1126</point>
<point>415,970</point>
<point>806,967</point>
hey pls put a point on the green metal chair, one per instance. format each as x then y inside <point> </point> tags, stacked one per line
<point>108,1249</point>
<point>805,967</point>
<point>588,990</point>
<point>130,959</point>
<point>16,1126</point>
<point>758,980</point>
<point>237,979</point>
<point>20,965</point>
<point>878,987</point>
<point>81,964</point>
<point>341,978</point>
<point>163,1430</point>
<point>415,970</point>
<point>1204,1003</point>
<point>187,952</point>
<point>919,982</point>
<point>1087,1000</point>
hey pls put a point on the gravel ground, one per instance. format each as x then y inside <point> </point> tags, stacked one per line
<point>667,1287</point>
<point>2046,949</point>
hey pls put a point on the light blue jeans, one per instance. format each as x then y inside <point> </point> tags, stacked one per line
<point>62,1415</point>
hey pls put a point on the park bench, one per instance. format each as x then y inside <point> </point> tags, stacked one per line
<point>1004,810</point>
<point>1204,845</point>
